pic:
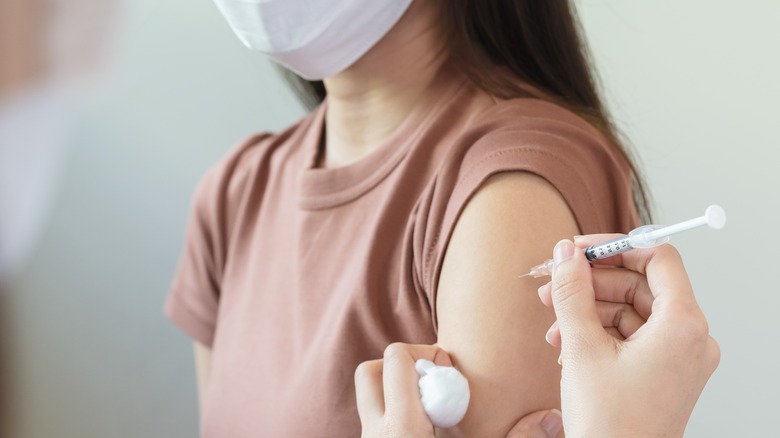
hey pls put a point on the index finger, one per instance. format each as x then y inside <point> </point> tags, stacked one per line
<point>368,390</point>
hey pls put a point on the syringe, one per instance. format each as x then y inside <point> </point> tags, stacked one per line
<point>646,236</point>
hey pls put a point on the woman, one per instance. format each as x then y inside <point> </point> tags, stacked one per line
<point>458,142</point>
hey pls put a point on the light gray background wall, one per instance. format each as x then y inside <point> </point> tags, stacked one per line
<point>693,83</point>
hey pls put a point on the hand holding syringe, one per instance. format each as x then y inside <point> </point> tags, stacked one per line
<point>646,236</point>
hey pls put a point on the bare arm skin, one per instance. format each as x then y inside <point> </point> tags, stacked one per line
<point>202,368</point>
<point>491,323</point>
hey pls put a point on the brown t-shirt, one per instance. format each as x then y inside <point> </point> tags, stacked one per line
<point>293,275</point>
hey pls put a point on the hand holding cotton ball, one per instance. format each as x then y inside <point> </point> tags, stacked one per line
<point>444,393</point>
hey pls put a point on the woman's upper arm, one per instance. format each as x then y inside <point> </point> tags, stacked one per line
<point>491,322</point>
<point>202,368</point>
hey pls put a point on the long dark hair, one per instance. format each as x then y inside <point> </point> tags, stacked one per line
<point>536,41</point>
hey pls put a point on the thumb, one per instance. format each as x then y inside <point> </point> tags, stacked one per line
<point>573,297</point>
<point>539,424</point>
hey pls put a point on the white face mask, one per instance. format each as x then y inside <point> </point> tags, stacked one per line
<point>313,38</point>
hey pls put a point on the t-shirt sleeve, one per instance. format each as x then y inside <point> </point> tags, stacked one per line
<point>193,299</point>
<point>591,175</point>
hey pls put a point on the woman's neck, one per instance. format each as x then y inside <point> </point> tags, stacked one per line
<point>370,99</point>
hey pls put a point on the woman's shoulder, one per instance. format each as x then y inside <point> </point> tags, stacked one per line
<point>539,137</point>
<point>535,130</point>
<point>259,152</point>
<point>534,114</point>
<point>257,157</point>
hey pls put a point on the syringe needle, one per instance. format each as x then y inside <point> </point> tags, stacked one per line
<point>526,275</point>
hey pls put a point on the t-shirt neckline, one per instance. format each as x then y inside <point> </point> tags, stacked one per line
<point>322,188</point>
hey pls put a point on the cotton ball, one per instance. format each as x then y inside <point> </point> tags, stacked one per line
<point>444,393</point>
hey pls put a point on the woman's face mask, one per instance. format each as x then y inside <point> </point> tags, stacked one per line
<point>313,38</point>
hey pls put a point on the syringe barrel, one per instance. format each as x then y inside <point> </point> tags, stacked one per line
<point>608,249</point>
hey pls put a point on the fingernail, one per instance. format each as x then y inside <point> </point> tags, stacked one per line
<point>552,423</point>
<point>559,360</point>
<point>547,335</point>
<point>563,250</point>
